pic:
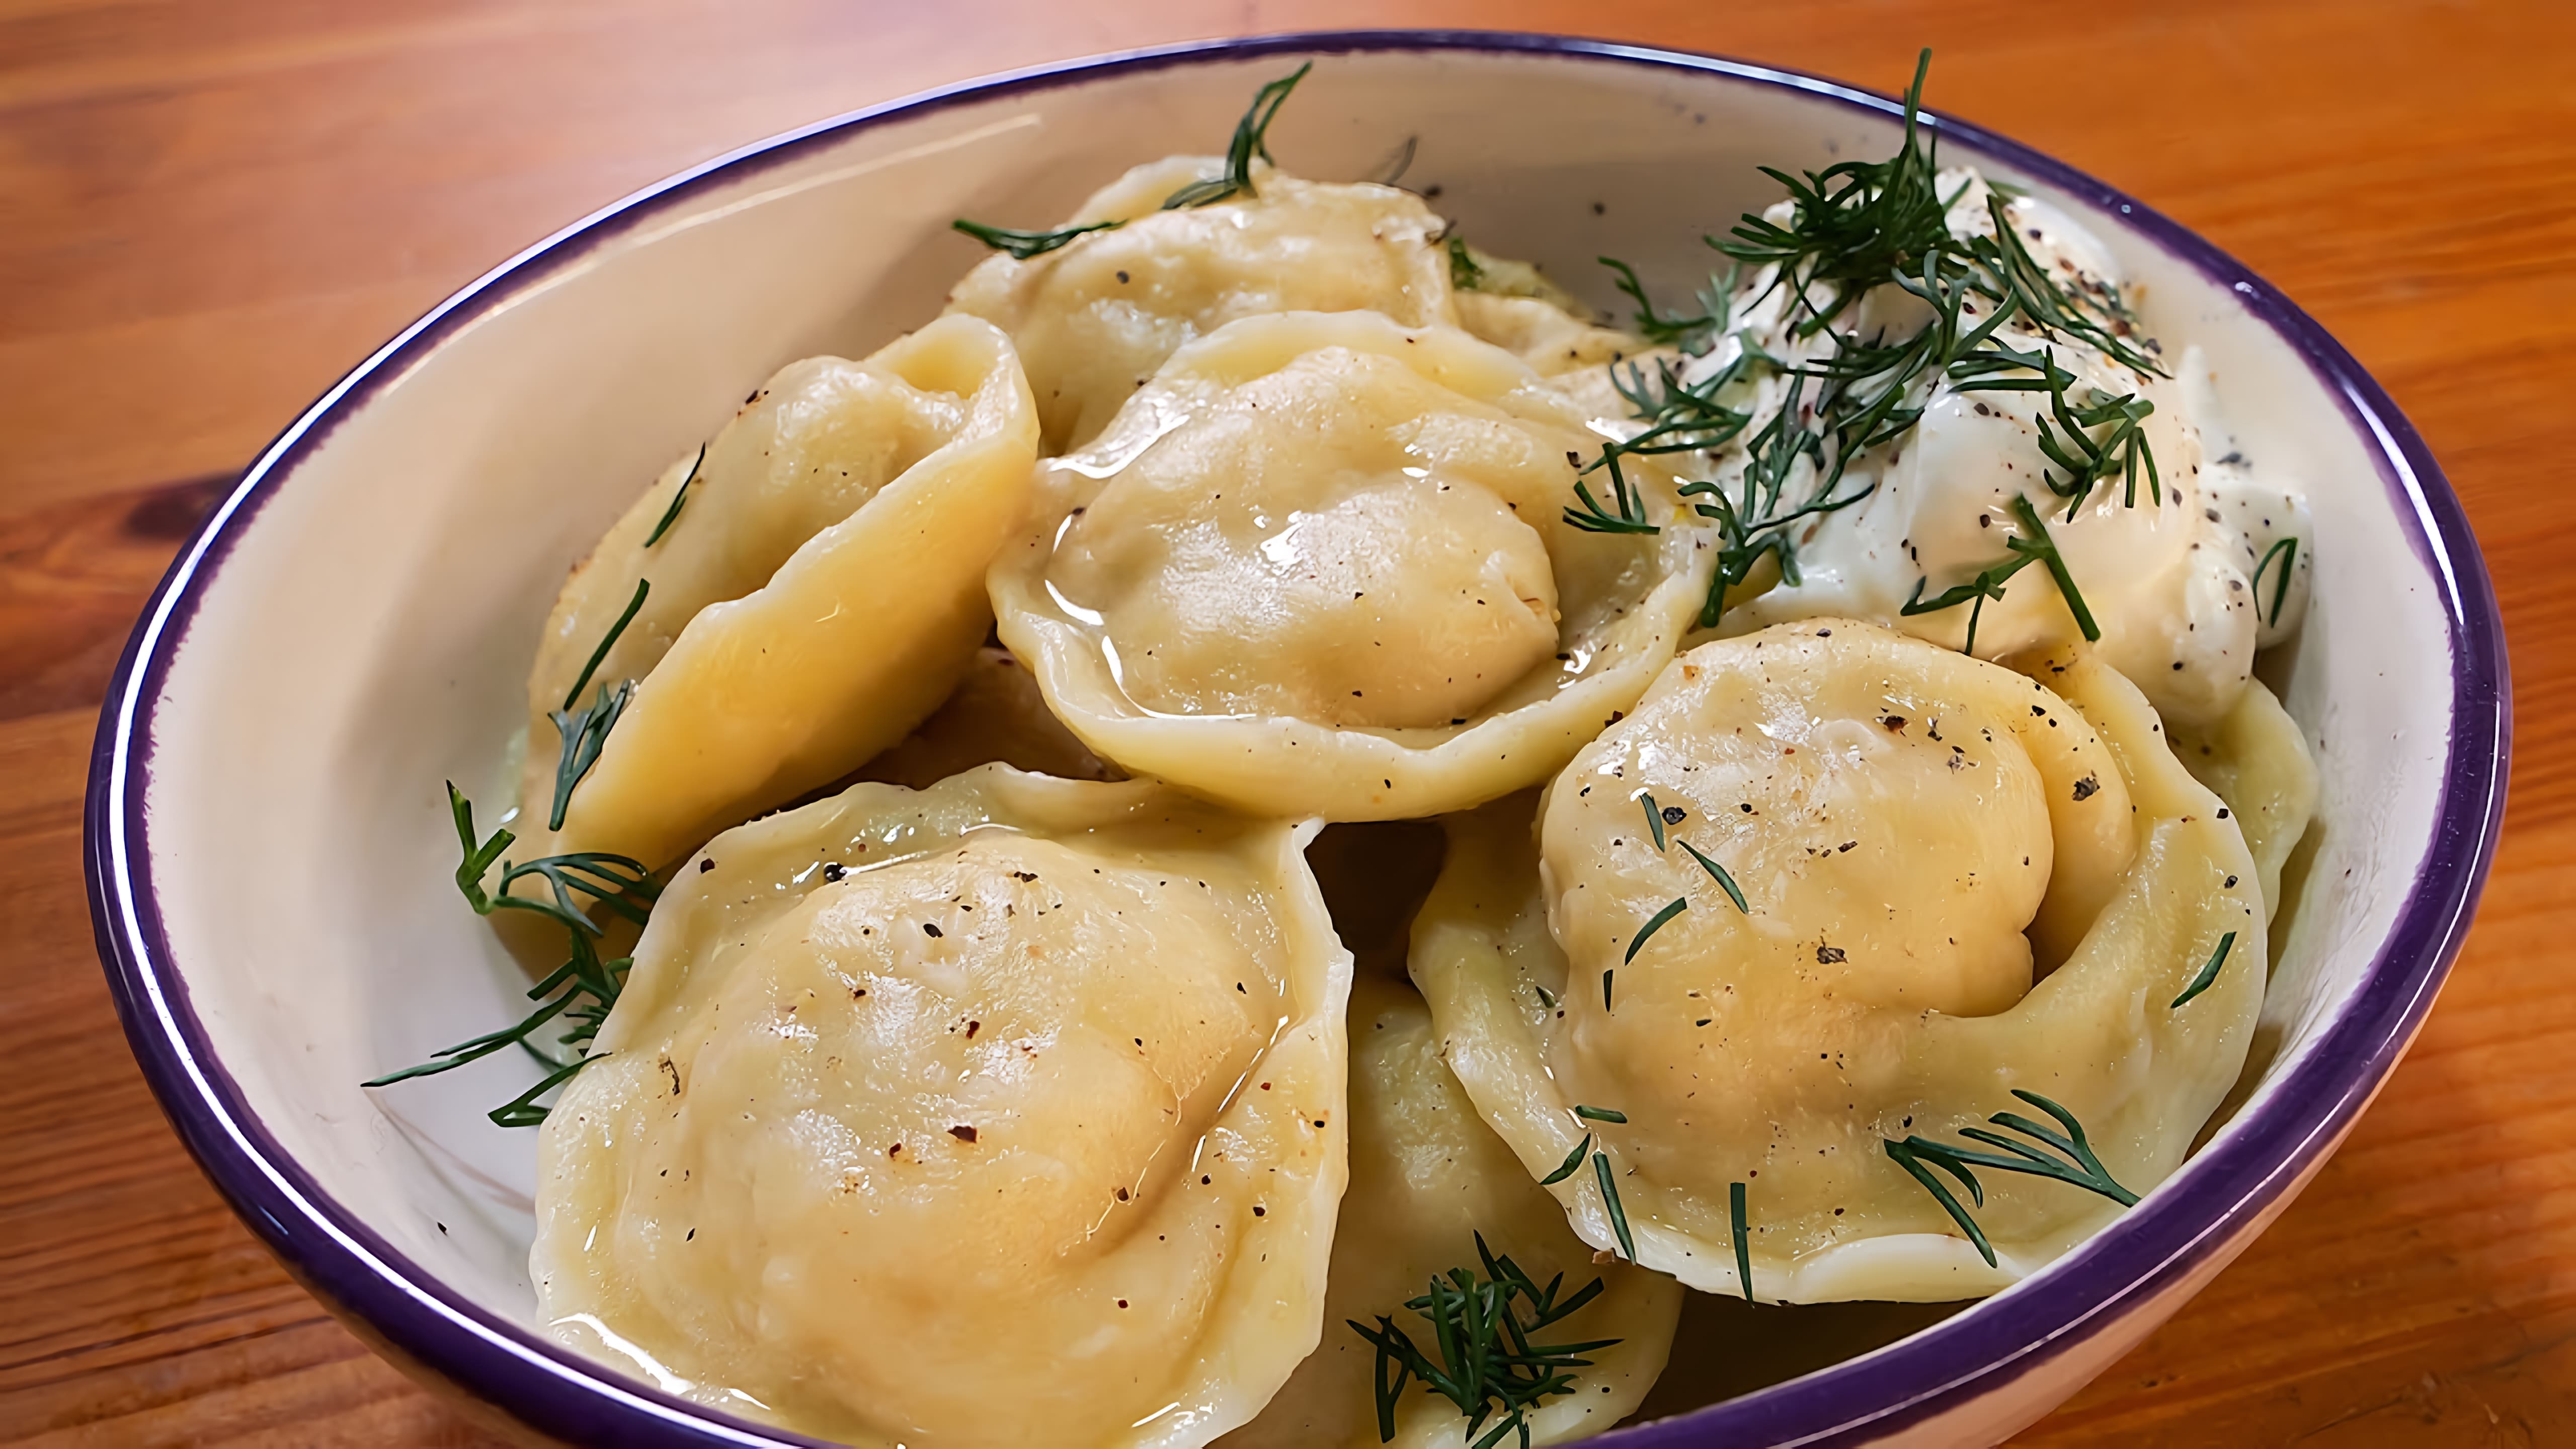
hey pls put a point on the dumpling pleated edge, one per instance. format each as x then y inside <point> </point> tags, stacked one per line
<point>1272,1317</point>
<point>857,637</point>
<point>1481,941</point>
<point>1283,766</point>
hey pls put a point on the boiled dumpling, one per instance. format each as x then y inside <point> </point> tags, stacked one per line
<point>1007,1112</point>
<point>1958,882</point>
<point>1095,319</point>
<point>814,594</point>
<point>1321,566</point>
<point>1514,305</point>
<point>2256,759</point>
<point>1428,1178</point>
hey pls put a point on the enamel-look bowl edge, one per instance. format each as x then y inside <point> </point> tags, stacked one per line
<point>245,1031</point>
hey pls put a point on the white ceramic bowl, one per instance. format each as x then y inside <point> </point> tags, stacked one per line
<point>270,850</point>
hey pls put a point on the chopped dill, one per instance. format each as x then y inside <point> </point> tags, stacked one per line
<point>679,496</point>
<point>1717,872</point>
<point>1464,273</point>
<point>1251,139</point>
<point>1488,1364</point>
<point>584,732</point>
<point>1743,1239</point>
<point>1610,1200</point>
<point>1850,229</point>
<point>1573,1163</point>
<point>2286,549</point>
<point>2073,1162</point>
<point>1638,942</point>
<point>2208,974</point>
<point>2031,546</point>
<point>580,991</point>
<point>1022,245</point>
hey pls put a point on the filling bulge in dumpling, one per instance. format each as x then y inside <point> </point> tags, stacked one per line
<point>1096,318</point>
<point>1006,1112</point>
<point>1429,1182</point>
<point>779,608</point>
<point>1322,565</point>
<point>1957,883</point>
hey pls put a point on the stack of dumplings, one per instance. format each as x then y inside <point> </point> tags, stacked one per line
<point>993,1070</point>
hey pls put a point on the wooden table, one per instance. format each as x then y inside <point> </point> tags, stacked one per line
<point>207,212</point>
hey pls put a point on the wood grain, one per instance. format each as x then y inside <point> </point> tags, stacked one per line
<point>211,211</point>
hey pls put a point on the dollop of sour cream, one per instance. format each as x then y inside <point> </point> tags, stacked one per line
<point>2166,568</point>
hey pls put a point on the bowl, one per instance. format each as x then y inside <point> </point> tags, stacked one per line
<point>268,843</point>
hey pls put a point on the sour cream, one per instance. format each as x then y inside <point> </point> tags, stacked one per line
<point>2165,568</point>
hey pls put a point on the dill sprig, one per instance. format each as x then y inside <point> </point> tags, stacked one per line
<point>679,496</point>
<point>1695,333</point>
<point>1627,513</point>
<point>1489,1364</point>
<point>1852,228</point>
<point>1852,225</point>
<point>1743,1233</point>
<point>1655,823</point>
<point>584,732</point>
<point>1600,1171</point>
<point>2208,974</point>
<point>1022,245</point>
<point>1601,1114</point>
<point>1251,139</point>
<point>2068,436</point>
<point>2070,1160</point>
<point>1718,873</point>
<point>2014,277</point>
<point>1680,417</point>
<point>1637,943</point>
<point>579,992</point>
<point>1573,1163</point>
<point>2033,546</point>
<point>1464,273</point>
<point>620,883</point>
<point>1610,1199</point>
<point>2286,549</point>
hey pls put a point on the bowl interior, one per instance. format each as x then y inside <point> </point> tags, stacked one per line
<point>362,624</point>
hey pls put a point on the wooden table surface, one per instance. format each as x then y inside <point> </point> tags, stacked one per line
<point>209,211</point>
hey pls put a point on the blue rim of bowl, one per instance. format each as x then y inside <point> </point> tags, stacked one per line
<point>2147,1252</point>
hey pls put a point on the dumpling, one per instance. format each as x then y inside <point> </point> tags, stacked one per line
<point>1007,1112</point>
<point>815,592</point>
<point>1513,305</point>
<point>1095,319</point>
<point>1322,567</point>
<point>1958,884</point>
<point>1428,1180</point>
<point>2256,759</point>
